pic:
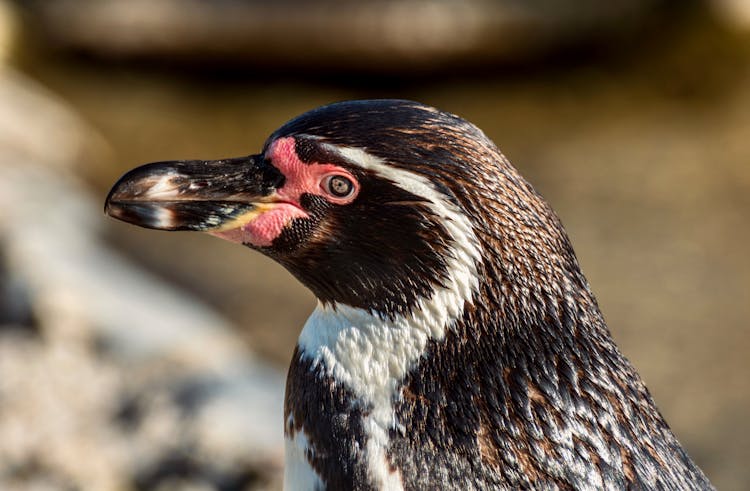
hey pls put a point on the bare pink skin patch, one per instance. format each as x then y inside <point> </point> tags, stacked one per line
<point>275,212</point>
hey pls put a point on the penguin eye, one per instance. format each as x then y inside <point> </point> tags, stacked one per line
<point>338,186</point>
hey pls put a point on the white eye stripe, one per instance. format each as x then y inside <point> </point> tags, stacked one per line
<point>408,181</point>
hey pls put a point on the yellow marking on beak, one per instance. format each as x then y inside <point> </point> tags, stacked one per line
<point>247,217</point>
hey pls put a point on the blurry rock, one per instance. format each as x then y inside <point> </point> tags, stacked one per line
<point>36,127</point>
<point>734,13</point>
<point>130,383</point>
<point>15,304</point>
<point>410,34</point>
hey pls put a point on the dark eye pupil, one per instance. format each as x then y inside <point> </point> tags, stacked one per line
<point>340,186</point>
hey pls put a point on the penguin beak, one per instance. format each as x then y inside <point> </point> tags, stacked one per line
<point>198,195</point>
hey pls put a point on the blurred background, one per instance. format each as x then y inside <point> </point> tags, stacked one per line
<point>142,360</point>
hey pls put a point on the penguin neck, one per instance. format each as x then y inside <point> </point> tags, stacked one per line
<point>369,351</point>
<point>352,362</point>
<point>362,381</point>
<point>370,354</point>
<point>349,366</point>
<point>365,352</point>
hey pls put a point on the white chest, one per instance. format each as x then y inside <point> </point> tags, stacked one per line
<point>298,473</point>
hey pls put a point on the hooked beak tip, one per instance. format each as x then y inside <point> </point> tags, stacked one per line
<point>189,195</point>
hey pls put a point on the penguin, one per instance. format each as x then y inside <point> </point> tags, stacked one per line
<point>456,344</point>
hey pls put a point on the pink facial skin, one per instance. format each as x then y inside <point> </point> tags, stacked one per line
<point>284,205</point>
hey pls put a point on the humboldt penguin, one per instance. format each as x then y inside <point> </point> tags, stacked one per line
<point>456,343</point>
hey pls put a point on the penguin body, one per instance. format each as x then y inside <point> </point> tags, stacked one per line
<point>456,343</point>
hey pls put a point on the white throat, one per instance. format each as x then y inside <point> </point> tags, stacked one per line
<point>369,354</point>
